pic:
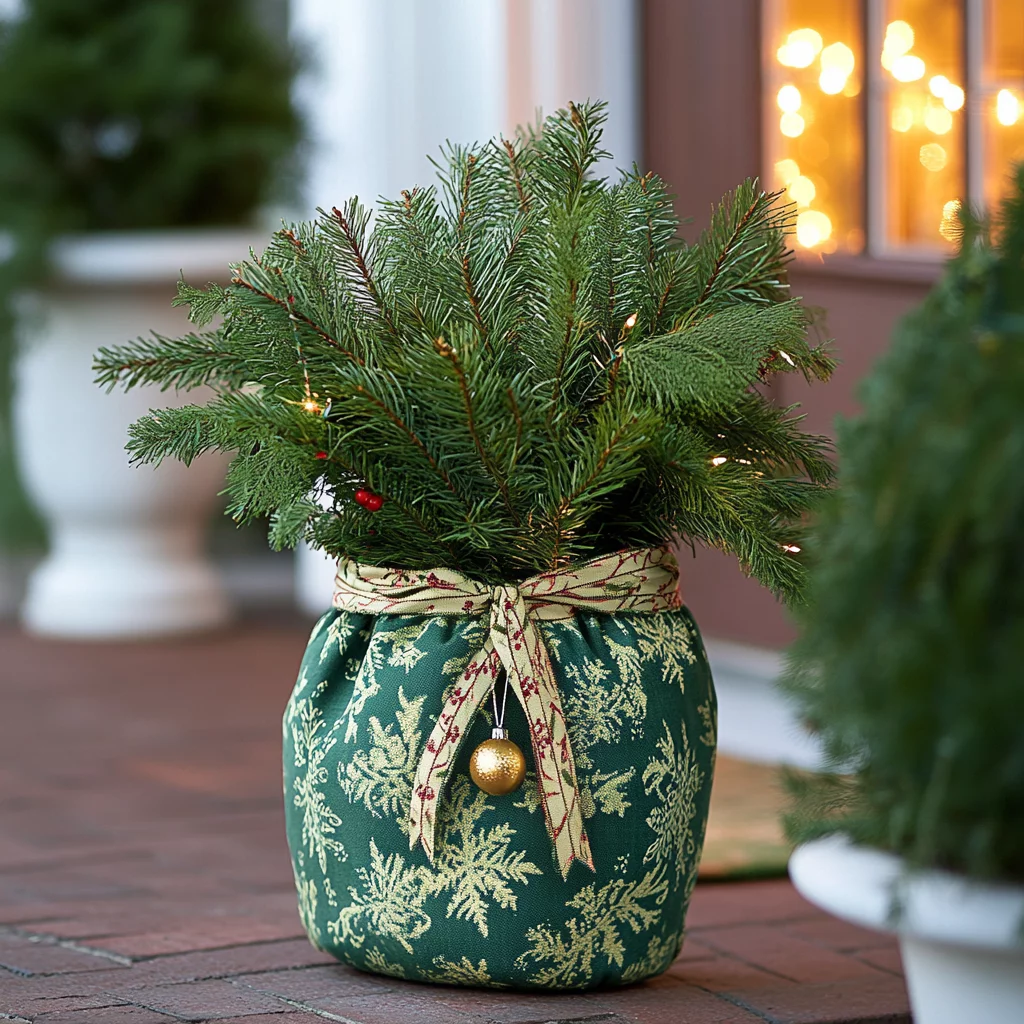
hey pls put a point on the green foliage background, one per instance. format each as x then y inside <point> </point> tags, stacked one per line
<point>910,660</point>
<point>125,116</point>
<point>524,362</point>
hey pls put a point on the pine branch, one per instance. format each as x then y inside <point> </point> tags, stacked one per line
<point>447,352</point>
<point>709,365</point>
<point>296,316</point>
<point>522,361</point>
<point>353,253</point>
<point>180,363</point>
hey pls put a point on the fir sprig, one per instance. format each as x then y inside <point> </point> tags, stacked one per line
<point>524,363</point>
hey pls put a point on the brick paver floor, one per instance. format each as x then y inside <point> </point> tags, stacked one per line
<point>144,876</point>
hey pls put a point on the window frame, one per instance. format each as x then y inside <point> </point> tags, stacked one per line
<point>879,261</point>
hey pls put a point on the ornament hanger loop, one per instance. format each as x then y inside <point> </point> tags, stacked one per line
<point>499,719</point>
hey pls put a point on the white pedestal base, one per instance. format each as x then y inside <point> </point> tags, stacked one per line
<point>126,552</point>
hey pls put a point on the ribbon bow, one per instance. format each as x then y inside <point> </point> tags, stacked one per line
<point>635,581</point>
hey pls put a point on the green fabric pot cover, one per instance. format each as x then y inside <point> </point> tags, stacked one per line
<point>493,909</point>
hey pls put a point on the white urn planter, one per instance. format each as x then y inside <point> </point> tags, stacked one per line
<point>126,552</point>
<point>962,941</point>
<point>314,580</point>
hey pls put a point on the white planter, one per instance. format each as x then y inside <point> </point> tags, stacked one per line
<point>126,543</point>
<point>961,940</point>
<point>314,580</point>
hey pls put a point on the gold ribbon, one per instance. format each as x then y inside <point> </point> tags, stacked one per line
<point>634,581</point>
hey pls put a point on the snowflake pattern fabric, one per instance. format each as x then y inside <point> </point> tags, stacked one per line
<point>493,909</point>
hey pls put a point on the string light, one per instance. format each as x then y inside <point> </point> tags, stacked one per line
<point>802,45</point>
<point>907,68</point>
<point>949,226</point>
<point>802,190</point>
<point>791,125</point>
<point>787,357</point>
<point>630,322</point>
<point>954,98</point>
<point>902,119</point>
<point>793,549</point>
<point>786,171</point>
<point>812,228</point>
<point>932,156</point>
<point>718,460</point>
<point>899,38</point>
<point>310,405</point>
<point>837,64</point>
<point>788,99</point>
<point>1007,108</point>
<point>937,119</point>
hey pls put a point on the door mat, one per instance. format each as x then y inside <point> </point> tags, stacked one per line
<point>744,836</point>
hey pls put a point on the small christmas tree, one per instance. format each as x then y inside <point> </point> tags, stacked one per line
<point>517,370</point>
<point>121,116</point>
<point>910,662</point>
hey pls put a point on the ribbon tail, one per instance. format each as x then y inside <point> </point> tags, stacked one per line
<point>524,654</point>
<point>443,744</point>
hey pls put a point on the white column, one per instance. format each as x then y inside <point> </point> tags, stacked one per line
<point>393,79</point>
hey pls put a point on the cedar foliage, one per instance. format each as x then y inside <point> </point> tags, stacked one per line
<point>523,361</point>
<point>909,664</point>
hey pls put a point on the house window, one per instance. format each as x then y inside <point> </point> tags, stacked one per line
<point>882,116</point>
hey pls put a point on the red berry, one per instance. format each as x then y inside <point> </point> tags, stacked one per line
<point>321,455</point>
<point>373,502</point>
<point>361,496</point>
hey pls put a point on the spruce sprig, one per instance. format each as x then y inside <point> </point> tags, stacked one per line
<point>524,362</point>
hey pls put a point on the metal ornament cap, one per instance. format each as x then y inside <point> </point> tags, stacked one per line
<point>498,766</point>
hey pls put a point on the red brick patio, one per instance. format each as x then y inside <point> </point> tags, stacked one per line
<point>144,876</point>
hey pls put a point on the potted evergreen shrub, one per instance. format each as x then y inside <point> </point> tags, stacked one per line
<point>909,663</point>
<point>496,409</point>
<point>137,142</point>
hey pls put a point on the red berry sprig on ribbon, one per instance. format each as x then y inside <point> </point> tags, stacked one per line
<point>370,501</point>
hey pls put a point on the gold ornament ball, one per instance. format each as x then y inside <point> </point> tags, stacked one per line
<point>498,767</point>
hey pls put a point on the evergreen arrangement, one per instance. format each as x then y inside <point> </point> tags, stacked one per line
<point>910,660</point>
<point>514,370</point>
<point>120,116</point>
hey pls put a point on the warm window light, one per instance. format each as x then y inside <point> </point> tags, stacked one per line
<point>899,38</point>
<point>840,57</point>
<point>812,228</point>
<point>800,48</point>
<point>933,157</point>
<point>902,119</point>
<point>837,64</point>
<point>949,226</point>
<point>939,85</point>
<point>789,99</point>
<point>1007,108</point>
<point>791,125</point>
<point>907,68</point>
<point>938,119</point>
<point>786,170</point>
<point>802,190</point>
<point>832,81</point>
<point>954,98</point>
